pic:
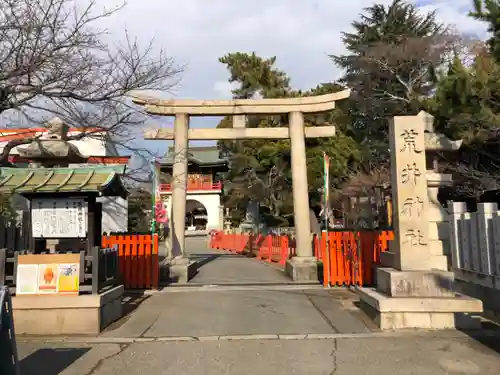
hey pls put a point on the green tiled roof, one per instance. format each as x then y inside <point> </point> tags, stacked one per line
<point>61,180</point>
<point>198,155</point>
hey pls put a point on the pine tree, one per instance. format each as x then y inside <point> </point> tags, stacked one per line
<point>390,66</point>
<point>260,170</point>
<point>489,11</point>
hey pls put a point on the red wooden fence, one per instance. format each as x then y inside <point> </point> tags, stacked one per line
<point>351,256</point>
<point>138,259</point>
<point>350,261</point>
<point>268,248</point>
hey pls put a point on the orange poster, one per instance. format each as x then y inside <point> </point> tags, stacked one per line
<point>47,278</point>
<point>69,278</point>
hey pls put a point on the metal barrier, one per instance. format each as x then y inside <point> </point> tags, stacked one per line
<point>9,363</point>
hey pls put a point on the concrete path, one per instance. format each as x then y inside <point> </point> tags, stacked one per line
<point>271,329</point>
<point>223,311</point>
<point>224,268</point>
<point>449,353</point>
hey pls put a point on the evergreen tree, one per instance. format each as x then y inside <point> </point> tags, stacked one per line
<point>259,169</point>
<point>390,65</point>
<point>489,11</point>
<point>466,107</point>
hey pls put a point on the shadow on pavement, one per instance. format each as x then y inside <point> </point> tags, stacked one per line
<point>202,259</point>
<point>130,303</point>
<point>488,335</point>
<point>51,361</point>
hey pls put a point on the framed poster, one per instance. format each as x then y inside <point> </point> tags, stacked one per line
<point>59,217</point>
<point>46,274</point>
<point>69,278</point>
<point>27,279</point>
<point>47,278</point>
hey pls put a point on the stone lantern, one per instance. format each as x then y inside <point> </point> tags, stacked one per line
<point>435,144</point>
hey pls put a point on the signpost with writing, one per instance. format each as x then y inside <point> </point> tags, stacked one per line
<point>409,192</point>
<point>59,217</point>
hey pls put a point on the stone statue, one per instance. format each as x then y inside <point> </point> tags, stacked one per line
<point>52,148</point>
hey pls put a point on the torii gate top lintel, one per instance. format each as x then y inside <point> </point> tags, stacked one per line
<point>239,109</point>
<point>306,104</point>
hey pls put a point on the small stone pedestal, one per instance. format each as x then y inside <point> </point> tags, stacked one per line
<point>177,271</point>
<point>302,269</point>
<point>417,299</point>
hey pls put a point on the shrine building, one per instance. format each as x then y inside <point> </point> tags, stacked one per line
<point>204,209</point>
<point>97,150</point>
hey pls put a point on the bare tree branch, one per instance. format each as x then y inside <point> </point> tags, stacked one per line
<point>54,60</point>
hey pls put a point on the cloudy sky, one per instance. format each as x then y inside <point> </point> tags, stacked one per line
<point>301,33</point>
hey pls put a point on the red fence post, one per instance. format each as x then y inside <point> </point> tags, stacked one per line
<point>326,260</point>
<point>284,250</point>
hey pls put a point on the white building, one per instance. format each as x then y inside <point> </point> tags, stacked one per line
<point>204,209</point>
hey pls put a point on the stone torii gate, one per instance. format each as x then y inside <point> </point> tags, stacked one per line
<point>303,266</point>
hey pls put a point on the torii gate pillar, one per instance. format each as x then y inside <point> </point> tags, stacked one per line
<point>303,266</point>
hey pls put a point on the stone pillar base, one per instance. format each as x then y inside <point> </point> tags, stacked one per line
<point>302,269</point>
<point>436,262</point>
<point>418,299</point>
<point>395,283</point>
<point>177,271</point>
<point>396,313</point>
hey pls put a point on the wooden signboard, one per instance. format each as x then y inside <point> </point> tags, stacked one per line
<point>48,274</point>
<point>9,363</point>
<point>59,217</point>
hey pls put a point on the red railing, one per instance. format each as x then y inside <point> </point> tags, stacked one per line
<point>352,256</point>
<point>269,248</point>
<point>196,186</point>
<point>351,259</point>
<point>138,259</point>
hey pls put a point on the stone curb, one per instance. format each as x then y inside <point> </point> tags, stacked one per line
<point>258,337</point>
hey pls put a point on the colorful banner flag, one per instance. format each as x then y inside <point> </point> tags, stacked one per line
<point>159,213</point>
<point>326,182</point>
<point>155,195</point>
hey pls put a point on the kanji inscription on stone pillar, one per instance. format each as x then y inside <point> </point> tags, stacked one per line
<point>409,192</point>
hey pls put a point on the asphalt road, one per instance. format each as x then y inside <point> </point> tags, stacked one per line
<point>427,354</point>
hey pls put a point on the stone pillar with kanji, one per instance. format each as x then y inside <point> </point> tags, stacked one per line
<point>413,290</point>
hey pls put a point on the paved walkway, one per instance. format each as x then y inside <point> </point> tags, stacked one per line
<point>223,268</point>
<point>426,354</point>
<point>223,311</point>
<point>266,329</point>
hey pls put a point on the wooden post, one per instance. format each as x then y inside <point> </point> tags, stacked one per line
<point>91,224</point>
<point>82,267</point>
<point>95,269</point>
<point>3,260</point>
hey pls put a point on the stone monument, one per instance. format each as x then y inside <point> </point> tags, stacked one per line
<point>52,148</point>
<point>414,288</point>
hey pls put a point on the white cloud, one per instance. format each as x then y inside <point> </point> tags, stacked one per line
<point>301,33</point>
<point>223,89</point>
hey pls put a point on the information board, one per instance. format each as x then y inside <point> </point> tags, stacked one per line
<point>48,274</point>
<point>59,217</point>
